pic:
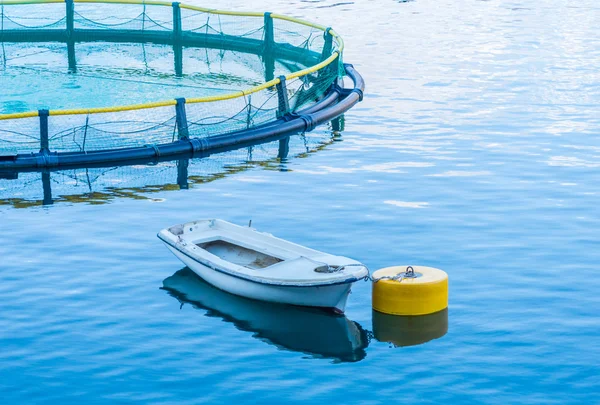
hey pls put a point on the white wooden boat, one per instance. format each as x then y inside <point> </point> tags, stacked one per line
<point>257,265</point>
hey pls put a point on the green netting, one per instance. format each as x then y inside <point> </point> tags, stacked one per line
<point>100,185</point>
<point>83,56</point>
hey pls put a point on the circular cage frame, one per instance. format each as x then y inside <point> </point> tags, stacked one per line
<point>327,105</point>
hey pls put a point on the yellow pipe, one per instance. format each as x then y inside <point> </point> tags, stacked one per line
<point>222,12</point>
<point>339,39</point>
<point>268,84</point>
<point>121,108</point>
<point>14,116</point>
<point>298,21</point>
<point>314,68</point>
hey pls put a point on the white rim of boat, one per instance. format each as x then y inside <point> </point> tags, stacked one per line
<point>263,280</point>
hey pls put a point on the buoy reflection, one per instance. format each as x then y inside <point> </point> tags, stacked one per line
<point>298,329</point>
<point>409,330</point>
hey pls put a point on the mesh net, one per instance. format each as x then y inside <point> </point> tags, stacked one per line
<point>101,185</point>
<point>85,56</point>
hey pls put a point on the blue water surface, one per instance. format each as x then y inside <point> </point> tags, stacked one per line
<point>475,150</point>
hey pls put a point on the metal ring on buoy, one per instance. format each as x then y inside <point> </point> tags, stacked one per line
<point>410,290</point>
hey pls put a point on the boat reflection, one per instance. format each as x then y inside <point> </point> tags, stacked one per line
<point>409,330</point>
<point>311,331</point>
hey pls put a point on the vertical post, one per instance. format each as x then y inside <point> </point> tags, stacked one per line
<point>71,56</point>
<point>337,124</point>
<point>182,173</point>
<point>177,48</point>
<point>44,141</point>
<point>181,119</point>
<point>70,13</point>
<point>282,98</point>
<point>47,187</point>
<point>326,53</point>
<point>2,34</point>
<point>249,112</point>
<point>284,148</point>
<point>176,21</point>
<point>70,17</point>
<point>328,45</point>
<point>268,47</point>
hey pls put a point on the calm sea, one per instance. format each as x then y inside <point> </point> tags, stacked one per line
<point>475,150</point>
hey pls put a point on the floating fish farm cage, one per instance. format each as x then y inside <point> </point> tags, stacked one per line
<point>88,82</point>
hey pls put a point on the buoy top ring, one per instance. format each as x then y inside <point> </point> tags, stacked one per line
<point>402,274</point>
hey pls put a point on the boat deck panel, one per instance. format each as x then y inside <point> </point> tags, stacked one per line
<point>238,254</point>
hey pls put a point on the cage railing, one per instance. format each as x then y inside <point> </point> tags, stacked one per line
<point>330,36</point>
<point>310,94</point>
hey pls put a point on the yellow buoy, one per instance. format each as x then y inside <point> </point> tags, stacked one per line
<point>410,290</point>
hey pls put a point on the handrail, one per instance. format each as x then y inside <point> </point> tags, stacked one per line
<point>242,93</point>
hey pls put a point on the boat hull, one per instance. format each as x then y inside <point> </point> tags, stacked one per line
<point>331,296</point>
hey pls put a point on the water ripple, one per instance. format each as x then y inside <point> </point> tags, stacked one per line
<point>475,150</point>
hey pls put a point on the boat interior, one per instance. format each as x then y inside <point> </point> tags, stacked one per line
<point>239,255</point>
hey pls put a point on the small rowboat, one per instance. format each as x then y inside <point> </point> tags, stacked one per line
<point>252,264</point>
